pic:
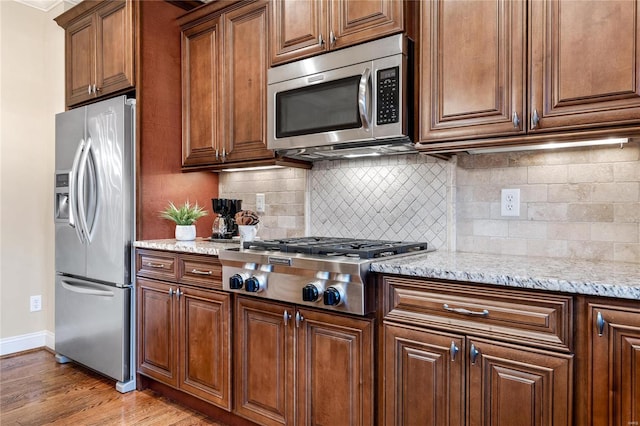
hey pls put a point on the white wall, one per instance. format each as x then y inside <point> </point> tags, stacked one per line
<point>31,93</point>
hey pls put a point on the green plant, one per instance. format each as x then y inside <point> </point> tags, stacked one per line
<point>186,214</point>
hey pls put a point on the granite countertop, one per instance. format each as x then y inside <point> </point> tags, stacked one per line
<point>199,246</point>
<point>610,279</point>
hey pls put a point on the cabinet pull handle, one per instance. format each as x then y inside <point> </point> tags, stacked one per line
<point>171,292</point>
<point>332,38</point>
<point>453,350</point>
<point>286,317</point>
<point>600,323</point>
<point>535,119</point>
<point>320,40</point>
<point>299,319</point>
<point>516,120</point>
<point>463,311</point>
<point>473,353</point>
<point>154,265</point>
<point>179,293</point>
<point>199,272</point>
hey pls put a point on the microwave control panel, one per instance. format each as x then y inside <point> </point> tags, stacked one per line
<point>388,96</point>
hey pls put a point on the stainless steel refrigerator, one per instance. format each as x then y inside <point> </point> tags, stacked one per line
<point>95,221</point>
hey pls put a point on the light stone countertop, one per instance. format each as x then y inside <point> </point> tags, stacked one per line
<point>610,279</point>
<point>199,246</point>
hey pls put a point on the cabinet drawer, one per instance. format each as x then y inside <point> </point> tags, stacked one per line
<point>155,264</point>
<point>538,319</point>
<point>203,271</point>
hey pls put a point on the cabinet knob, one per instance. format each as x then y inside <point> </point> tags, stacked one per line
<point>89,89</point>
<point>535,119</point>
<point>473,354</point>
<point>171,292</point>
<point>286,317</point>
<point>453,350</point>
<point>516,120</point>
<point>320,40</point>
<point>600,323</point>
<point>332,38</point>
<point>179,293</point>
<point>299,319</point>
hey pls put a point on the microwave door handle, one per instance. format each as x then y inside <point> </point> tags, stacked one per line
<point>364,91</point>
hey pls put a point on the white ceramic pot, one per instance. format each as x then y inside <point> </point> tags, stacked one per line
<point>247,232</point>
<point>185,232</point>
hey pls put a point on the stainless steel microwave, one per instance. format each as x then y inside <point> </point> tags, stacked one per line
<point>346,103</point>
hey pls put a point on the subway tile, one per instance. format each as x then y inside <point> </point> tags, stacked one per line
<point>547,174</point>
<point>527,229</point>
<point>569,231</point>
<point>626,212</point>
<point>589,173</point>
<point>592,250</point>
<point>557,212</point>
<point>533,193</point>
<point>620,192</point>
<point>474,211</point>
<point>490,228</point>
<point>490,161</point>
<point>586,212</point>
<point>569,193</point>
<point>616,232</point>
<point>547,248</point>
<point>611,154</point>
<point>625,252</point>
<point>626,172</point>
<point>508,176</point>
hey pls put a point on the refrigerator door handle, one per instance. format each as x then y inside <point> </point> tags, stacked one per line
<point>95,195</point>
<point>82,216</point>
<point>84,289</point>
<point>73,188</point>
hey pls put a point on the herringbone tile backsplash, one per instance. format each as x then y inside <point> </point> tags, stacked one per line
<point>401,197</point>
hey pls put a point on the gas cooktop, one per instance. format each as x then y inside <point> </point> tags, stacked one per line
<point>328,246</point>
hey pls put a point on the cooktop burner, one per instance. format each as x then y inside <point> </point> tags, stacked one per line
<point>327,246</point>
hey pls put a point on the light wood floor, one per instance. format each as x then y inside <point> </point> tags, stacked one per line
<point>36,390</point>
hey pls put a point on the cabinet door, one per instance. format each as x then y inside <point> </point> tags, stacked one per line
<point>423,377</point>
<point>80,60</point>
<point>201,93</point>
<point>299,29</point>
<point>614,350</point>
<point>157,316</point>
<point>335,369</point>
<point>264,363</point>
<point>205,344</point>
<point>246,62</point>
<point>472,69</point>
<point>357,21</point>
<point>114,47</point>
<point>585,64</point>
<point>511,385</point>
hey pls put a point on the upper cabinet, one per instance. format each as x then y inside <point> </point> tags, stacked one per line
<point>306,28</point>
<point>99,49</point>
<point>481,84</point>
<point>224,66</point>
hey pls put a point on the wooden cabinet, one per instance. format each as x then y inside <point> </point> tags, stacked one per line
<point>613,368</point>
<point>328,358</point>
<point>99,49</point>
<point>478,360</point>
<point>302,29</point>
<point>481,84</point>
<point>184,337</point>
<point>224,65</point>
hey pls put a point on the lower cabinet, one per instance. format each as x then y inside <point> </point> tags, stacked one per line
<point>184,339</point>
<point>613,344</point>
<point>301,366</point>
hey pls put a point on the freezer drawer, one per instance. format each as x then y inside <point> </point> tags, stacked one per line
<point>92,324</point>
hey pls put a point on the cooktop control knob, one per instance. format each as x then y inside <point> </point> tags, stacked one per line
<point>310,293</point>
<point>236,281</point>
<point>254,285</point>
<point>332,296</point>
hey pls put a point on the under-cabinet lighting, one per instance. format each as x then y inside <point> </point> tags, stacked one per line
<point>251,169</point>
<point>371,154</point>
<point>551,145</point>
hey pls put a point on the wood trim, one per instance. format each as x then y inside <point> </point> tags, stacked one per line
<point>186,4</point>
<point>287,162</point>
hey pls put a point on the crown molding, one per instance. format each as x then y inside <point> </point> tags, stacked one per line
<point>46,5</point>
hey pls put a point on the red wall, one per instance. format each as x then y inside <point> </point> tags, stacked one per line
<point>158,93</point>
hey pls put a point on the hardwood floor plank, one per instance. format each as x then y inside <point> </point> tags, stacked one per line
<point>36,390</point>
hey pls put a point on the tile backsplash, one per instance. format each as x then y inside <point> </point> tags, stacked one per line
<point>577,203</point>
<point>403,197</point>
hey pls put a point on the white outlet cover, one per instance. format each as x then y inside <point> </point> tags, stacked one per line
<point>260,203</point>
<point>510,202</point>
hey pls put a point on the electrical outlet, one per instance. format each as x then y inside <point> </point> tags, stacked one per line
<point>510,202</point>
<point>260,203</point>
<point>36,303</point>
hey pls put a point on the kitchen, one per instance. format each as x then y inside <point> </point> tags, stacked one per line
<point>575,203</point>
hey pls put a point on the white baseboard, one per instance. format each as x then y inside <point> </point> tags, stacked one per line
<point>25,342</point>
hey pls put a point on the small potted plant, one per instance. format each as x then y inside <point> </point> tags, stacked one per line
<point>185,217</point>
